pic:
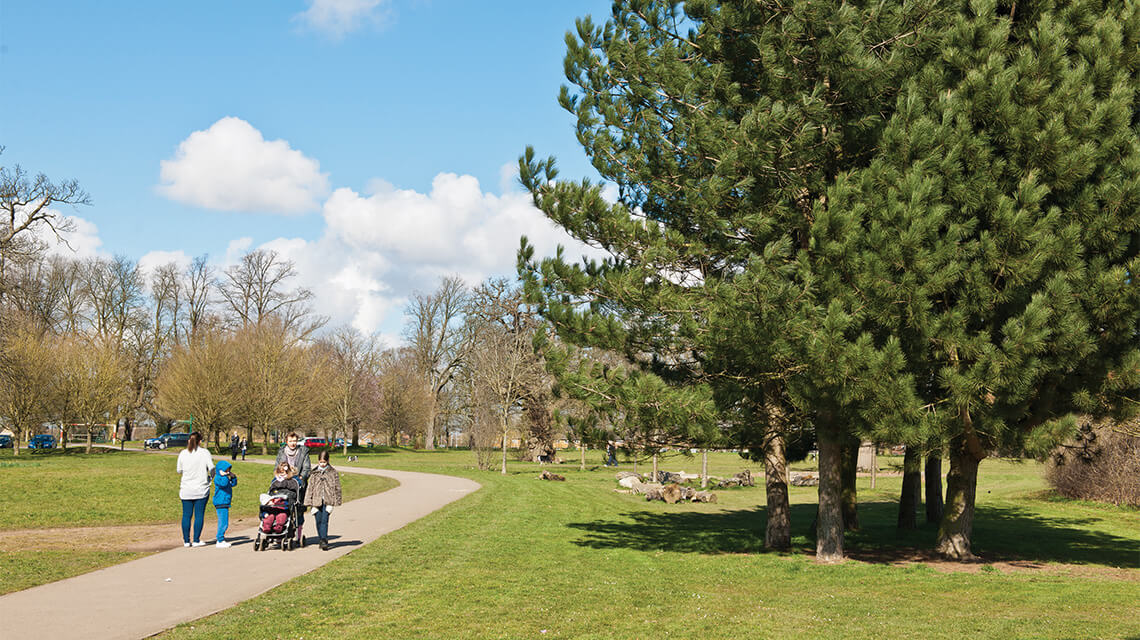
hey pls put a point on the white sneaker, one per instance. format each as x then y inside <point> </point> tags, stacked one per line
<point>222,544</point>
<point>198,544</point>
<point>186,544</point>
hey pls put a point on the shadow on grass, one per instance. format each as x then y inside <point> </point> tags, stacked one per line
<point>1000,533</point>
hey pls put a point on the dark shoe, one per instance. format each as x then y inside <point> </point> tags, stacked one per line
<point>324,545</point>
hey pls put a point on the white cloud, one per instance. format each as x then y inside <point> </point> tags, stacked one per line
<point>337,18</point>
<point>152,260</point>
<point>231,167</point>
<point>82,241</point>
<point>377,249</point>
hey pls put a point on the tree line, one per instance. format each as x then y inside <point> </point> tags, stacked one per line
<point>101,341</point>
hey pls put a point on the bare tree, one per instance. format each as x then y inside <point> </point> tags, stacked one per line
<point>404,400</point>
<point>504,365</point>
<point>256,289</point>
<point>148,342</point>
<point>116,296</point>
<point>439,341</point>
<point>26,203</point>
<point>26,209</point>
<point>199,287</point>
<point>351,358</point>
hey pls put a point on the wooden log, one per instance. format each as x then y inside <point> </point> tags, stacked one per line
<point>546,475</point>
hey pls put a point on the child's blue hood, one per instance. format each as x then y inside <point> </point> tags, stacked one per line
<point>223,466</point>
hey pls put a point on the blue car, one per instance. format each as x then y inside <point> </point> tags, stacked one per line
<point>42,441</point>
<point>5,442</point>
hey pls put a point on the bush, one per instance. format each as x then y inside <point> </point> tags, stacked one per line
<point>1102,464</point>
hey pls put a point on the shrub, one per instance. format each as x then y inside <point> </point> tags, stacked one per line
<point>1102,464</point>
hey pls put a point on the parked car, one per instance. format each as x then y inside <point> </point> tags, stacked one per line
<point>339,442</point>
<point>167,441</point>
<point>5,442</point>
<point>315,443</point>
<point>42,441</point>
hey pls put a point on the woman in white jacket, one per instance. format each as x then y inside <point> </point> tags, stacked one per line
<point>195,465</point>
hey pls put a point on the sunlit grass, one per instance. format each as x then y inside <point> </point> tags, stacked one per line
<point>526,558</point>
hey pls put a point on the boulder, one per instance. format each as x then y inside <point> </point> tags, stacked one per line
<point>629,481</point>
<point>628,474</point>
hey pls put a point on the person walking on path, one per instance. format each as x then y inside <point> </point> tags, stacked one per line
<point>224,482</point>
<point>244,442</point>
<point>322,495</point>
<point>195,466</point>
<point>235,443</point>
<point>296,455</point>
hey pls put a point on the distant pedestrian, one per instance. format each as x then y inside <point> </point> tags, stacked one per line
<point>235,444</point>
<point>322,495</point>
<point>243,445</point>
<point>224,482</point>
<point>195,466</point>
<point>611,455</point>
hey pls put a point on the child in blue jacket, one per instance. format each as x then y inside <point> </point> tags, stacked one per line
<point>224,482</point>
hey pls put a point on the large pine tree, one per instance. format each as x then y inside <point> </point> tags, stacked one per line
<point>724,127</point>
<point>1000,228</point>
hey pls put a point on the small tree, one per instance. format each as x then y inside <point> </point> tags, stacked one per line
<point>200,380</point>
<point>91,383</point>
<point>27,371</point>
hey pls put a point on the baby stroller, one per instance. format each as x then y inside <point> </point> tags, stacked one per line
<point>279,521</point>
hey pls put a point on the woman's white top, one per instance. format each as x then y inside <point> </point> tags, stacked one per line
<point>195,467</point>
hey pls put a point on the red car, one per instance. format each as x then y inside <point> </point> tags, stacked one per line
<point>315,443</point>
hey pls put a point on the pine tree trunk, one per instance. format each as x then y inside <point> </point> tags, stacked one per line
<point>829,521</point>
<point>934,485</point>
<point>849,497</point>
<point>582,451</point>
<point>961,490</point>
<point>778,534</point>
<point>88,450</point>
<point>911,488</point>
<point>704,468</point>
<point>654,468</point>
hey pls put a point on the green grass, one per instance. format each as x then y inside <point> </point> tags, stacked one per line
<point>524,558</point>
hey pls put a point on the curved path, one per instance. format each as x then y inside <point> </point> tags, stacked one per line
<point>143,597</point>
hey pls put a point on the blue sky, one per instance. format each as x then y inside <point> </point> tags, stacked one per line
<point>370,141</point>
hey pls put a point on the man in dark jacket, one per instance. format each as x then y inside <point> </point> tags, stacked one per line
<point>296,455</point>
<point>235,444</point>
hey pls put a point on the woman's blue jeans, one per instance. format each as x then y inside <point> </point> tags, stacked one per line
<point>197,509</point>
<point>322,519</point>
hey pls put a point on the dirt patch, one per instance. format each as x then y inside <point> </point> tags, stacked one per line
<point>139,538</point>
<point>927,557</point>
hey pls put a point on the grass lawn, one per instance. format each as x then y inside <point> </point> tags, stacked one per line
<point>68,488</point>
<point>524,558</point>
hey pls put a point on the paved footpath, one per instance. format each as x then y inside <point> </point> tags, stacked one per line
<point>143,597</point>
